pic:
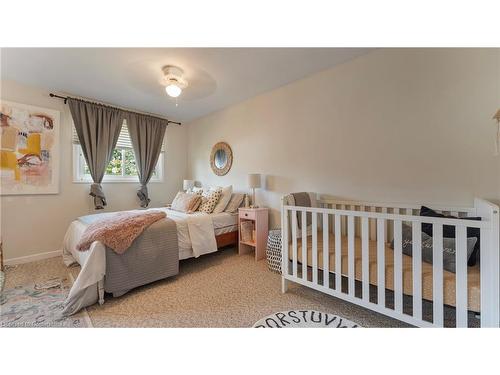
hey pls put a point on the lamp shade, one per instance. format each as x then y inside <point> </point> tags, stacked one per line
<point>254,180</point>
<point>497,116</point>
<point>188,184</point>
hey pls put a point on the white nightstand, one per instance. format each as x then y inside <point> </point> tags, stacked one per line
<point>259,217</point>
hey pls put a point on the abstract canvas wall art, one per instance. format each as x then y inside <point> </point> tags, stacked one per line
<point>29,150</point>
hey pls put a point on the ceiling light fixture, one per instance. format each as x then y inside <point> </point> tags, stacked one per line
<point>173,81</point>
<point>173,90</point>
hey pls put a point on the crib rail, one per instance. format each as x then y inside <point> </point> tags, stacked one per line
<point>343,252</point>
<point>388,208</point>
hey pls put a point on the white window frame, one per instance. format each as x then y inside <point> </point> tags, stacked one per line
<point>79,175</point>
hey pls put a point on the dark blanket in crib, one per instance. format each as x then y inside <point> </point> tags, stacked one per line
<point>303,200</point>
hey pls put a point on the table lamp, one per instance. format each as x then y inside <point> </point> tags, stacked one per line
<point>254,183</point>
<point>188,184</point>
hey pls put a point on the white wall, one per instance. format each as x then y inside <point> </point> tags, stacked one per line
<point>396,125</point>
<point>37,223</point>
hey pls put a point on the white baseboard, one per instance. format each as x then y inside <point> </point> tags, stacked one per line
<point>32,258</point>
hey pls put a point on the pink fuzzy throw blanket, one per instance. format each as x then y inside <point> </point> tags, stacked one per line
<point>119,230</point>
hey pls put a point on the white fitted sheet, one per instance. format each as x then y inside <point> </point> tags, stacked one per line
<point>224,219</point>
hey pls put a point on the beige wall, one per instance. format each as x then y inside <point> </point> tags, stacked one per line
<point>393,125</point>
<point>396,125</point>
<point>36,223</point>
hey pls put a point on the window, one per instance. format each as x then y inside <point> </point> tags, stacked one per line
<point>122,166</point>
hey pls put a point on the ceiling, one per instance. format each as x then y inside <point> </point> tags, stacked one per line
<point>129,77</point>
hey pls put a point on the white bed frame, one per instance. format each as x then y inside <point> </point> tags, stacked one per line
<point>382,222</point>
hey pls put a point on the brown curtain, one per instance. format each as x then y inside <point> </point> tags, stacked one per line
<point>146,134</point>
<point>98,128</point>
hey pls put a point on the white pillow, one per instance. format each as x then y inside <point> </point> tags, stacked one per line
<point>227,191</point>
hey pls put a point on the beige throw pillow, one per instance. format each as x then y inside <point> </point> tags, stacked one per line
<point>195,204</point>
<point>209,200</point>
<point>227,191</point>
<point>185,202</point>
<point>234,203</point>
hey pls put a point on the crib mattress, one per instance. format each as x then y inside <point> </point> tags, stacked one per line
<point>449,294</point>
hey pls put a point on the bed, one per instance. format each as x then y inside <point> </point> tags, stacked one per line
<point>350,242</point>
<point>197,234</point>
<point>449,292</point>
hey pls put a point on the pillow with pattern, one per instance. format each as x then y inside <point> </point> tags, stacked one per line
<point>195,190</point>
<point>209,200</point>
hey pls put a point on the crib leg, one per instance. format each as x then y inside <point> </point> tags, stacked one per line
<point>284,285</point>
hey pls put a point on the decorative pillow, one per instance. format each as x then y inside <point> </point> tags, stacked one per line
<point>449,230</point>
<point>185,202</point>
<point>195,204</point>
<point>227,191</point>
<point>449,261</point>
<point>209,200</point>
<point>234,203</point>
<point>195,190</point>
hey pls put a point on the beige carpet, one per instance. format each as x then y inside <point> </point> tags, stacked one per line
<point>216,290</point>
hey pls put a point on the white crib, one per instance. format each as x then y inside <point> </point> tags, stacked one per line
<point>362,224</point>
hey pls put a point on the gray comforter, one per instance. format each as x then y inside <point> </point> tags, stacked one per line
<point>153,256</point>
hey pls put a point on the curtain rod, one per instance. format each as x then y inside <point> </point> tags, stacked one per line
<point>65,98</point>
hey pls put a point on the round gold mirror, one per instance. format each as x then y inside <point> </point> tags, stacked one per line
<point>221,158</point>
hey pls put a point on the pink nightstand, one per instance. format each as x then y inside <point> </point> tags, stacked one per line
<point>259,217</point>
